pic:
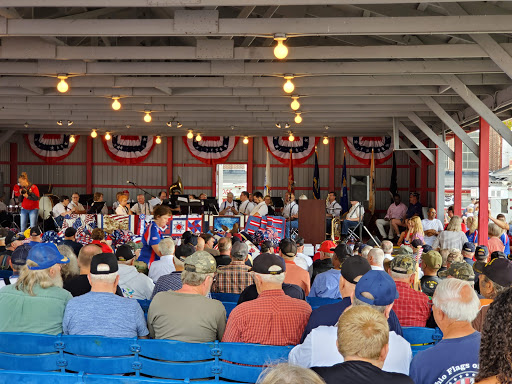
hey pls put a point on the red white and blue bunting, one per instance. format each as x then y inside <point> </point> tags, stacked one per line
<point>50,148</point>
<point>211,149</point>
<point>129,149</point>
<point>360,148</point>
<point>302,148</point>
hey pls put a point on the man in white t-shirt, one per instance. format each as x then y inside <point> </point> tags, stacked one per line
<point>141,207</point>
<point>229,207</point>
<point>165,265</point>
<point>61,209</point>
<point>431,226</point>
<point>291,213</point>
<point>245,206</point>
<point>261,208</point>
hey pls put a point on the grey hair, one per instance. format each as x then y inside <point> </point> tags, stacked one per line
<point>108,278</point>
<point>448,298</point>
<point>454,225</point>
<point>387,246</point>
<point>166,246</point>
<point>494,230</point>
<point>193,278</point>
<point>380,308</point>
<point>285,373</point>
<point>497,287</point>
<point>399,276</point>
<point>71,269</point>
<point>273,279</point>
<point>377,256</point>
<point>178,263</point>
<point>366,250</point>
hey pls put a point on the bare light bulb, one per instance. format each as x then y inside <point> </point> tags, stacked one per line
<point>298,118</point>
<point>198,137</point>
<point>295,105</point>
<point>158,140</point>
<point>288,87</point>
<point>72,139</point>
<point>62,87</point>
<point>107,136</point>
<point>116,105</point>
<point>291,137</point>
<point>280,51</point>
<point>246,140</point>
<point>147,117</point>
<point>94,134</point>
<point>326,140</point>
<point>190,135</point>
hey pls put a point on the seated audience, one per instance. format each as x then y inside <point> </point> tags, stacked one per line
<point>273,318</point>
<point>481,254</point>
<point>36,303</point>
<point>454,256</point>
<point>289,374</point>
<point>431,226</point>
<point>468,252</point>
<point>327,284</point>
<point>495,278</point>
<point>235,277</point>
<point>324,263</point>
<point>376,259</point>
<point>294,274</point>
<point>71,269</point>
<point>472,232</point>
<point>12,241</point>
<point>502,223</point>
<point>459,270</point>
<point>452,236</point>
<point>412,306</point>
<point>98,238</point>
<point>495,363</point>
<point>495,243</point>
<point>267,247</point>
<point>17,260</point>
<point>209,243</point>
<point>301,259</point>
<point>199,319</point>
<point>387,247</point>
<point>134,285</point>
<point>80,284</point>
<point>455,358</point>
<point>430,264</point>
<point>251,292</point>
<point>395,214</point>
<point>224,257</point>
<point>101,312</point>
<point>363,340</point>
<point>35,236</point>
<point>450,215</point>
<point>414,231</point>
<point>376,289</point>
<point>70,240</point>
<point>165,265</point>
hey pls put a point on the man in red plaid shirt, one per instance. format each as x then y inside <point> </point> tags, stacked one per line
<point>412,307</point>
<point>273,318</point>
<point>234,277</point>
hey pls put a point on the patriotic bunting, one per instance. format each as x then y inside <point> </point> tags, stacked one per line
<point>129,149</point>
<point>50,148</point>
<point>360,148</point>
<point>211,149</point>
<point>302,148</point>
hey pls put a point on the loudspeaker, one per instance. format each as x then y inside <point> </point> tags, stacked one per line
<point>359,188</point>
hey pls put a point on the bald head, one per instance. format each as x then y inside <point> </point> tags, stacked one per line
<point>225,246</point>
<point>376,257</point>
<point>200,244</point>
<point>85,256</point>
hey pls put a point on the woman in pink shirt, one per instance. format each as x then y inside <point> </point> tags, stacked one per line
<point>495,243</point>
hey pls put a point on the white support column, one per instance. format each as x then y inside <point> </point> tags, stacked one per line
<point>495,52</point>
<point>431,135</point>
<point>411,154</point>
<point>452,124</point>
<point>479,107</point>
<point>416,142</point>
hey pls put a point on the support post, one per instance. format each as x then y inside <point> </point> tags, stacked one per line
<point>332,160</point>
<point>250,164</point>
<point>430,134</point>
<point>88,164</point>
<point>412,176</point>
<point>440,182</point>
<point>483,182</point>
<point>413,139</point>
<point>170,163</point>
<point>214,180</point>
<point>424,176</point>
<point>13,159</point>
<point>457,177</point>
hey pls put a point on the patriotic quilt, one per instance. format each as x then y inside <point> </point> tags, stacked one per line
<point>111,223</point>
<point>266,228</point>
<point>84,224</point>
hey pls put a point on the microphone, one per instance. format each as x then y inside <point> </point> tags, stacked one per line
<point>129,182</point>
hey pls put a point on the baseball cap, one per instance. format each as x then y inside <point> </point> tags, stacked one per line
<point>327,246</point>
<point>426,248</point>
<point>379,285</point>
<point>20,254</point>
<point>299,241</point>
<point>416,243</point>
<point>481,251</point>
<point>498,255</point>
<point>70,232</point>
<point>459,270</point>
<point>403,264</point>
<point>45,255</point>
<point>12,237</point>
<point>268,264</point>
<point>404,250</point>
<point>35,231</point>
<point>353,267</point>
<point>361,247</point>
<point>184,250</point>
<point>498,270</point>
<point>468,247</point>
<point>200,262</point>
<point>104,258</point>
<point>416,194</point>
<point>188,238</point>
<point>125,253</point>
<point>134,245</point>
<point>288,247</point>
<point>432,259</point>
<point>343,251</point>
<point>239,249</point>
<point>266,245</point>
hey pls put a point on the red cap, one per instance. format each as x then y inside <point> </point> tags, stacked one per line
<point>327,246</point>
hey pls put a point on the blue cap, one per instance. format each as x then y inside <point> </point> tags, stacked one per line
<point>380,285</point>
<point>45,255</point>
<point>20,254</point>
<point>469,247</point>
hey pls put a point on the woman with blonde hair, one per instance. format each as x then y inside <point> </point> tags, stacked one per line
<point>28,194</point>
<point>472,233</point>
<point>414,231</point>
<point>495,243</point>
<point>452,237</point>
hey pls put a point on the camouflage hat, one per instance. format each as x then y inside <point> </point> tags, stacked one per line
<point>459,270</point>
<point>404,264</point>
<point>134,245</point>
<point>455,256</point>
<point>200,262</point>
<point>432,259</point>
<point>405,250</point>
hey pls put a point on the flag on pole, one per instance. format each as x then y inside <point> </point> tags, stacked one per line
<point>393,185</point>
<point>267,176</point>
<point>291,181</point>
<point>316,179</point>
<point>371,202</point>
<point>344,194</point>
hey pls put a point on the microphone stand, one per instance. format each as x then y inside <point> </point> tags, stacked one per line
<point>142,189</point>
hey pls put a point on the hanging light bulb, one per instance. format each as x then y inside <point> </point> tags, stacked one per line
<point>107,136</point>
<point>147,117</point>
<point>280,51</point>
<point>288,87</point>
<point>59,122</point>
<point>169,124</point>
<point>178,124</point>
<point>116,105</point>
<point>94,134</point>
<point>70,122</point>
<point>190,135</point>
<point>295,105</point>
<point>291,137</point>
<point>246,140</point>
<point>198,137</point>
<point>298,118</point>
<point>62,87</point>
<point>158,140</point>
<point>72,139</point>
<point>326,140</point>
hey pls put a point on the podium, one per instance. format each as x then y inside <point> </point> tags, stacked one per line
<point>312,221</point>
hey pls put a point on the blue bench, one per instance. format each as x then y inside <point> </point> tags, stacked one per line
<point>141,359</point>
<point>5,273</point>
<point>421,338</point>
